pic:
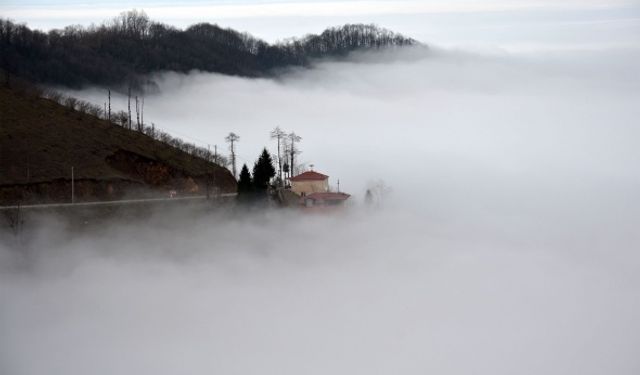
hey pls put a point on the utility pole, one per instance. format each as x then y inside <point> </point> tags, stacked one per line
<point>109,113</point>
<point>142,113</point>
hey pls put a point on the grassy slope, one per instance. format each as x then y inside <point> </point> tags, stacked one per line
<point>44,138</point>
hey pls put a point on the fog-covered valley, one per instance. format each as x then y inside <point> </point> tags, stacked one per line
<point>507,243</point>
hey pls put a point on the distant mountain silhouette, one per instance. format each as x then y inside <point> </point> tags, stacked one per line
<point>130,46</point>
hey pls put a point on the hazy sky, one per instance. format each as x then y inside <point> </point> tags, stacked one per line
<point>512,25</point>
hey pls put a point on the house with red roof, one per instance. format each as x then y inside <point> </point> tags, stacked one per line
<point>309,182</point>
<point>313,189</point>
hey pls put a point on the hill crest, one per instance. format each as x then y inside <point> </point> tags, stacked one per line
<point>131,46</point>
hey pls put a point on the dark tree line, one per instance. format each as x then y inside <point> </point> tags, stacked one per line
<point>339,41</point>
<point>255,188</point>
<point>130,46</point>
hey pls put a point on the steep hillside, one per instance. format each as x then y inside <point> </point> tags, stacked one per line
<point>41,140</point>
<point>125,49</point>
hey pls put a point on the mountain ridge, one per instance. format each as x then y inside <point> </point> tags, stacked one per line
<point>130,47</point>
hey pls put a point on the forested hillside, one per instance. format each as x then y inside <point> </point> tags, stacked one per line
<point>131,46</point>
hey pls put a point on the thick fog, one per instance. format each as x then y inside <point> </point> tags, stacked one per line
<point>508,242</point>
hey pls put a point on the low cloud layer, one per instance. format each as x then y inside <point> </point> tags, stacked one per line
<point>508,244</point>
<point>380,293</point>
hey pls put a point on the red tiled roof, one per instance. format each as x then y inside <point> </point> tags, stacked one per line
<point>309,176</point>
<point>329,196</point>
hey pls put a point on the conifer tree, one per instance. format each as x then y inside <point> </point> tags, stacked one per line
<point>263,171</point>
<point>245,185</point>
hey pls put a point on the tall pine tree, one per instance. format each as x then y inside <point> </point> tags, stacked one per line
<point>263,172</point>
<point>245,185</point>
<point>244,182</point>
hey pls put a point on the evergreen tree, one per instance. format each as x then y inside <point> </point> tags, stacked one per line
<point>245,185</point>
<point>263,171</point>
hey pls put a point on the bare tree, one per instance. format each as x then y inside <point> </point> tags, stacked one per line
<point>293,138</point>
<point>121,118</point>
<point>278,134</point>
<point>232,138</point>
<point>377,192</point>
<point>71,102</point>
<point>84,107</point>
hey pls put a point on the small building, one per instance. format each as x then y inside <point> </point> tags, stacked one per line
<point>313,189</point>
<point>309,182</point>
<point>324,200</point>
